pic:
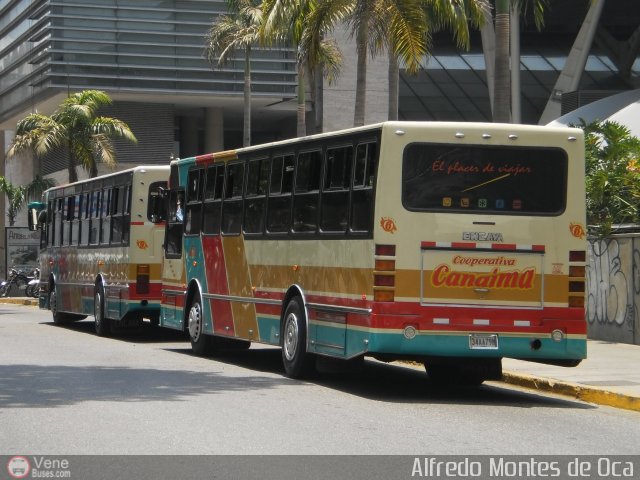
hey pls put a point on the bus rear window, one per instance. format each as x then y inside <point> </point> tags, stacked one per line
<point>484,179</point>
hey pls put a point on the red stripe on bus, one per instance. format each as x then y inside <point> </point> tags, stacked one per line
<point>208,157</point>
<point>137,223</point>
<point>463,245</point>
<point>217,283</point>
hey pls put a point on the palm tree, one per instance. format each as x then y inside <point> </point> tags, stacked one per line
<point>74,126</point>
<point>238,31</point>
<point>455,15</point>
<point>286,21</point>
<point>502,81</point>
<point>17,196</point>
<point>400,25</point>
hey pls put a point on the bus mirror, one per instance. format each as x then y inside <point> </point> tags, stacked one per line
<point>33,219</point>
<point>36,216</point>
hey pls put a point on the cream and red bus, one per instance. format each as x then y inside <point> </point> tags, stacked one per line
<point>452,244</point>
<point>100,251</point>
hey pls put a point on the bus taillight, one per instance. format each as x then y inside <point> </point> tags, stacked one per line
<point>384,274</point>
<point>577,278</point>
<point>142,278</point>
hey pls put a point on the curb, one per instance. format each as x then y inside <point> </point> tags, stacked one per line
<point>20,301</point>
<point>580,392</point>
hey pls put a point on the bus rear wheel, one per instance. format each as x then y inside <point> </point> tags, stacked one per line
<point>103,324</point>
<point>298,363</point>
<point>201,344</point>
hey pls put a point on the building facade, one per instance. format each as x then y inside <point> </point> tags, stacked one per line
<point>148,55</point>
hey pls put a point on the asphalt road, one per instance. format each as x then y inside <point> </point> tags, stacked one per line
<point>65,391</point>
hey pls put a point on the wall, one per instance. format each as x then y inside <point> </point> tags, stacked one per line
<point>613,289</point>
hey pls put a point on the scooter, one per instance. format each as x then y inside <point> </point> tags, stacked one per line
<point>33,287</point>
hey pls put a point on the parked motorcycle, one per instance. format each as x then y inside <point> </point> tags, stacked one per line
<point>33,287</point>
<point>16,279</point>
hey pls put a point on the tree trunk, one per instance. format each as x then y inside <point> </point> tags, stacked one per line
<point>394,79</point>
<point>361,74</point>
<point>71,165</point>
<point>302,111</point>
<point>311,77</point>
<point>502,89</point>
<point>246,136</point>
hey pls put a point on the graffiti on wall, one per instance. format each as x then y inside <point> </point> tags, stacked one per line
<point>613,289</point>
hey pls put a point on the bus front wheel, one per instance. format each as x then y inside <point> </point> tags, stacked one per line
<point>103,324</point>
<point>201,344</point>
<point>59,317</point>
<point>297,362</point>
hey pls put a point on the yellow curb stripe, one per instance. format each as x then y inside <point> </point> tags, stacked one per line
<point>580,392</point>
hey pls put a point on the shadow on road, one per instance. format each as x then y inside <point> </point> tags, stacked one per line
<point>147,333</point>
<point>393,382</point>
<point>369,379</point>
<point>24,386</point>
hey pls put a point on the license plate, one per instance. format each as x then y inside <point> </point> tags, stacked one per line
<point>483,342</point>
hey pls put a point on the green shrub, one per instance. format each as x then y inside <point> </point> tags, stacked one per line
<point>612,157</point>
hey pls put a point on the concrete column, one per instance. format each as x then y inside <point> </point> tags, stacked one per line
<point>488,36</point>
<point>3,207</point>
<point>213,130</point>
<point>188,136</point>
<point>569,78</point>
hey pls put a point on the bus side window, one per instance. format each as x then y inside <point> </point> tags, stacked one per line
<point>117,204</point>
<point>256,196</point>
<point>105,217</point>
<point>94,235</point>
<point>85,213</point>
<point>195,187</point>
<point>307,191</point>
<point>232,203</point>
<point>66,220</point>
<point>126,215</point>
<point>363,182</point>
<point>335,192</point>
<point>75,219</point>
<point>280,185</point>
<point>59,221</point>
<point>213,199</point>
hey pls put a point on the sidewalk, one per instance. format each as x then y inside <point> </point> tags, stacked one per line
<point>609,376</point>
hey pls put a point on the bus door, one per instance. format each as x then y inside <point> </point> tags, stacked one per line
<point>173,271</point>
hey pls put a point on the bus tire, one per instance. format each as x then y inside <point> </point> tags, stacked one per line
<point>201,344</point>
<point>102,323</point>
<point>298,363</point>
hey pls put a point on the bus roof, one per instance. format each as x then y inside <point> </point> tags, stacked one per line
<point>388,125</point>
<point>137,168</point>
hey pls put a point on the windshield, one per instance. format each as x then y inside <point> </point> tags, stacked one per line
<point>484,179</point>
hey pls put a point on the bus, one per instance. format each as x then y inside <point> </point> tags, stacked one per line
<point>450,244</point>
<point>100,248</point>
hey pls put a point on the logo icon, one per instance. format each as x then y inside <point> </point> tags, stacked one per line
<point>18,467</point>
<point>577,230</point>
<point>142,244</point>
<point>388,225</point>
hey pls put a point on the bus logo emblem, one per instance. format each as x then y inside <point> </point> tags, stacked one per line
<point>388,224</point>
<point>577,230</point>
<point>143,245</point>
